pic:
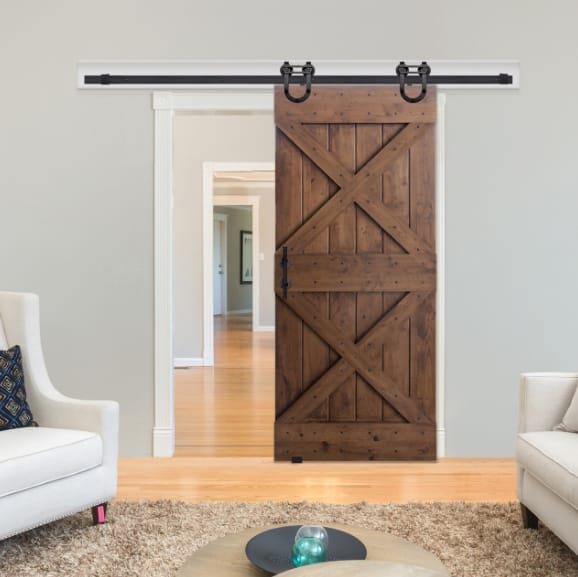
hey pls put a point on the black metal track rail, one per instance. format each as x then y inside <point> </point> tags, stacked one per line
<point>302,74</point>
<point>136,79</point>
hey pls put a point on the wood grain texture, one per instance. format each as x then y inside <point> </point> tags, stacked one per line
<point>356,273</point>
<point>257,479</point>
<point>346,441</point>
<point>369,343</point>
<point>357,358</point>
<point>288,207</point>
<point>316,191</point>
<point>342,305</point>
<point>381,104</point>
<point>350,184</point>
<point>396,344</point>
<point>365,240</point>
<point>224,454</point>
<point>368,142</point>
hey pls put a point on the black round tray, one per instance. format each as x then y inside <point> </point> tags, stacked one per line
<point>271,550</point>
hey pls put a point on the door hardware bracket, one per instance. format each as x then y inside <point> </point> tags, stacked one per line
<point>285,284</point>
<point>307,70</point>
<point>422,71</point>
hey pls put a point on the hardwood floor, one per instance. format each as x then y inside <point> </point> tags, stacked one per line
<point>228,410</point>
<point>224,431</point>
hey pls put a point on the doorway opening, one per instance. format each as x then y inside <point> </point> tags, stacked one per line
<point>257,102</point>
<point>233,273</point>
<point>244,192</point>
<point>227,409</point>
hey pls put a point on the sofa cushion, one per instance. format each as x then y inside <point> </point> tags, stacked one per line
<point>551,457</point>
<point>33,456</point>
<point>570,419</point>
<point>14,410</point>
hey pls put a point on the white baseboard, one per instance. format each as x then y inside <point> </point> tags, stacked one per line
<point>163,442</point>
<point>264,329</point>
<point>441,443</point>
<point>183,362</point>
<point>240,312</point>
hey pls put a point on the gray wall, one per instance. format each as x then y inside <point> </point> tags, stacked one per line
<point>197,139</point>
<point>76,183</point>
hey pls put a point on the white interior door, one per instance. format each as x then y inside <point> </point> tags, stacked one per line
<point>219,251</point>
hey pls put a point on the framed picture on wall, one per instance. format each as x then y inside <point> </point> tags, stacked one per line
<point>246,257</point>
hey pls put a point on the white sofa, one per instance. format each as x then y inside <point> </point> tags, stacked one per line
<point>69,462</point>
<point>548,460</point>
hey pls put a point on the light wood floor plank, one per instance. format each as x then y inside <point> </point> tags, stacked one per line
<point>224,446</point>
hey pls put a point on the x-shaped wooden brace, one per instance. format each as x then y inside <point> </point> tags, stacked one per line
<point>354,358</point>
<point>352,188</point>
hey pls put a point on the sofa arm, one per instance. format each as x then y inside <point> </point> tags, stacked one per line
<point>544,398</point>
<point>100,417</point>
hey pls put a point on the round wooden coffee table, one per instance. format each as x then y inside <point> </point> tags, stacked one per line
<point>363,569</point>
<point>225,557</point>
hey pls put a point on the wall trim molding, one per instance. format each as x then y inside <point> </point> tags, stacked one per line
<point>163,441</point>
<point>165,104</point>
<point>441,276</point>
<point>164,420</point>
<point>185,362</point>
<point>264,329</point>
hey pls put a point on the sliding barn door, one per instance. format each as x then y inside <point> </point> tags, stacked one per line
<point>355,275</point>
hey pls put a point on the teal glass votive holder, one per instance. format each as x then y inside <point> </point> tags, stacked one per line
<point>308,550</point>
<point>316,531</point>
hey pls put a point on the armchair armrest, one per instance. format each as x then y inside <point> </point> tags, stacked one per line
<point>100,417</point>
<point>544,398</point>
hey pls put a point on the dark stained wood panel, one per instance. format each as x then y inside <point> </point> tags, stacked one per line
<point>368,142</point>
<point>315,192</point>
<point>355,272</point>
<point>342,240</point>
<point>381,105</point>
<point>356,324</point>
<point>288,358</point>
<point>376,441</point>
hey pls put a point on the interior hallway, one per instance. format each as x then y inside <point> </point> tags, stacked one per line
<point>224,446</point>
<point>228,410</point>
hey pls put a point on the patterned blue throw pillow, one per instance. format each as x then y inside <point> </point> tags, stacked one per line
<point>14,410</point>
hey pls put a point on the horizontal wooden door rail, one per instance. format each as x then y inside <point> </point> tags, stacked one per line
<point>358,272</point>
<point>380,440</point>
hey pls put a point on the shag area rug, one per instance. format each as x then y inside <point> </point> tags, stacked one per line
<point>153,538</point>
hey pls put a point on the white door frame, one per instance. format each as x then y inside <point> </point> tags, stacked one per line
<point>165,104</point>
<point>222,219</point>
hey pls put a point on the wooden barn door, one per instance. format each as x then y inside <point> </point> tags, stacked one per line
<point>355,275</point>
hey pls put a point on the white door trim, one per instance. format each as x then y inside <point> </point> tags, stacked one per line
<point>164,417</point>
<point>441,276</point>
<point>165,104</point>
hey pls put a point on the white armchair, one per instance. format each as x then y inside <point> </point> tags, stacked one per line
<point>69,462</point>
<point>547,459</point>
